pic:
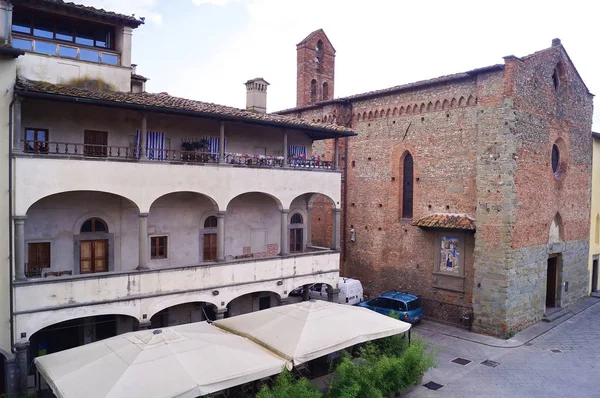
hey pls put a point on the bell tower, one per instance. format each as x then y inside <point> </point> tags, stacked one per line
<point>316,64</point>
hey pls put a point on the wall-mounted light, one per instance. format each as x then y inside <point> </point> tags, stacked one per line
<point>144,316</point>
<point>215,292</point>
<point>279,283</point>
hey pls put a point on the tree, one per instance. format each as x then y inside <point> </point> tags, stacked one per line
<point>287,387</point>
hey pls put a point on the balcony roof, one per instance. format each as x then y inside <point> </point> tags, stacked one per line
<point>448,221</point>
<point>81,10</point>
<point>165,103</point>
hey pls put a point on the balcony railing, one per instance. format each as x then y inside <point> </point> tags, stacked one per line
<point>170,155</point>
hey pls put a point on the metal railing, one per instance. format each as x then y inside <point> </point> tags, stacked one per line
<point>452,314</point>
<point>169,155</point>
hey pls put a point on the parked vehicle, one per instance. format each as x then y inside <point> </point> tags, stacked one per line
<point>405,305</point>
<point>351,291</point>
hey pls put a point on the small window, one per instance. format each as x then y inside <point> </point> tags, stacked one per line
<point>297,219</point>
<point>407,187</point>
<point>158,247</point>
<point>94,225</point>
<point>325,91</point>
<point>210,222</point>
<point>313,91</point>
<point>36,140</point>
<point>38,258</point>
<point>555,158</point>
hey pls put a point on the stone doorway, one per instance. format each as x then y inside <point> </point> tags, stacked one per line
<point>552,283</point>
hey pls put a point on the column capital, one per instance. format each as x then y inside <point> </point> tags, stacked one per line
<point>336,210</point>
<point>285,211</point>
<point>19,219</point>
<point>22,345</point>
<point>221,213</point>
<point>144,325</point>
<point>144,215</point>
<point>309,207</point>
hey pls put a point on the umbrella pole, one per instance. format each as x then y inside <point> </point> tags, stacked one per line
<point>409,332</point>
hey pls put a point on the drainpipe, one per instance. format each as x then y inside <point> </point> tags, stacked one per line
<point>10,223</point>
<point>345,196</point>
<point>8,11</point>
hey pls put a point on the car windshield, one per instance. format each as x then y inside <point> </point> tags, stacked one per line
<point>415,304</point>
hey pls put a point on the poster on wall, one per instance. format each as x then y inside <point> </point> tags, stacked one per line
<point>449,254</point>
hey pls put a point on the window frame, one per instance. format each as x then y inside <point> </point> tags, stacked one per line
<point>93,230</point>
<point>36,142</point>
<point>155,247</point>
<point>408,203</point>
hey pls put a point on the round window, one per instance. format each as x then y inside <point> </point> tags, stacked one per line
<point>555,158</point>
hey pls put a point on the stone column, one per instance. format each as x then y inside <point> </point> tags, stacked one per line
<point>305,296</point>
<point>221,236</point>
<point>143,242</point>
<point>22,362</point>
<point>126,46</point>
<point>284,250</point>
<point>222,143</point>
<point>19,247</point>
<point>11,375</point>
<point>144,325</point>
<point>143,130</point>
<point>333,294</point>
<point>17,127</point>
<point>88,330</point>
<point>308,228</point>
<point>283,301</point>
<point>285,149</point>
<point>337,214</point>
<point>220,314</point>
<point>336,154</point>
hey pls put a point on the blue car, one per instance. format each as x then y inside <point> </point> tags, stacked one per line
<point>405,305</point>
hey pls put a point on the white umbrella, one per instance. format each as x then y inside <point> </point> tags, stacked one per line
<point>181,361</point>
<point>304,331</point>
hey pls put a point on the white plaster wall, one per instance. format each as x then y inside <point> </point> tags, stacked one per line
<point>45,302</point>
<point>67,122</point>
<point>7,80</point>
<point>180,217</point>
<point>56,219</point>
<point>247,214</point>
<point>55,70</point>
<point>144,182</point>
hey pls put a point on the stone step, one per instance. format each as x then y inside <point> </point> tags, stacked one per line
<point>554,315</point>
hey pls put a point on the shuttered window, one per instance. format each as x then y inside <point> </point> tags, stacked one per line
<point>407,187</point>
<point>38,258</point>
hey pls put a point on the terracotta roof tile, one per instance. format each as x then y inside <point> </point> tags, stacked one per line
<point>165,102</point>
<point>450,221</point>
<point>128,20</point>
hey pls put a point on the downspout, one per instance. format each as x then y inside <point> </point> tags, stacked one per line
<point>10,224</point>
<point>8,11</point>
<point>345,196</point>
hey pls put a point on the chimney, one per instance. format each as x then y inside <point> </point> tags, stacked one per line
<point>555,42</point>
<point>256,95</point>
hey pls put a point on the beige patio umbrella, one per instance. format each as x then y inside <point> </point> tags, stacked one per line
<point>183,361</point>
<point>304,331</point>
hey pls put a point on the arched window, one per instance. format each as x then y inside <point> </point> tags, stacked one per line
<point>319,55</point>
<point>94,225</point>
<point>325,91</point>
<point>210,222</point>
<point>296,233</point>
<point>407,186</point>
<point>313,91</point>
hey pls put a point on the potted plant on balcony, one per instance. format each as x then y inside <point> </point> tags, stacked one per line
<point>191,147</point>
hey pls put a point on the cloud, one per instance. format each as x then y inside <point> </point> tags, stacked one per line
<point>212,2</point>
<point>141,8</point>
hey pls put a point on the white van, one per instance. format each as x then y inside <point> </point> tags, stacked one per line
<point>351,291</point>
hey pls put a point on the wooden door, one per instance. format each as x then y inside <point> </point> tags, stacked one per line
<point>595,275</point>
<point>210,247</point>
<point>95,143</point>
<point>296,240</point>
<point>552,280</point>
<point>93,256</point>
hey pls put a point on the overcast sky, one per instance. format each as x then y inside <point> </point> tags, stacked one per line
<point>207,49</point>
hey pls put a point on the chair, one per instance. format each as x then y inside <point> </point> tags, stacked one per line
<point>51,273</point>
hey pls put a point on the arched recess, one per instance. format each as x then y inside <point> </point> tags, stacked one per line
<point>407,190</point>
<point>461,101</point>
<point>556,233</point>
<point>422,108</point>
<point>182,313</point>
<point>429,107</point>
<point>250,302</point>
<point>453,103</point>
<point>471,100</point>
<point>370,115</point>
<point>395,111</point>
<point>54,241</point>
<point>313,91</point>
<point>175,225</point>
<point>318,220</point>
<point>445,104</point>
<point>438,105</point>
<point>253,226</point>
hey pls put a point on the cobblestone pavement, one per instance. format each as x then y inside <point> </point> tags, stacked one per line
<point>563,362</point>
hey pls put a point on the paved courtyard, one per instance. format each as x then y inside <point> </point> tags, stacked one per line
<point>562,362</point>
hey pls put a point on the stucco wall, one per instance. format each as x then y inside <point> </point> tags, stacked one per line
<point>57,70</point>
<point>595,206</point>
<point>7,79</point>
<point>67,122</point>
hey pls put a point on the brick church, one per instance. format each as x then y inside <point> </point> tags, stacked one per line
<point>471,190</point>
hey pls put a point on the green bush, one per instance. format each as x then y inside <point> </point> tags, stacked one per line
<point>287,387</point>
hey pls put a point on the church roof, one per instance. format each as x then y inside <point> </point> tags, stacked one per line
<point>165,103</point>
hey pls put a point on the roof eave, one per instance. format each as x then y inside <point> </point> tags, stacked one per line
<point>315,133</point>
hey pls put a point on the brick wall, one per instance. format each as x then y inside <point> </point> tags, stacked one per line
<point>309,69</point>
